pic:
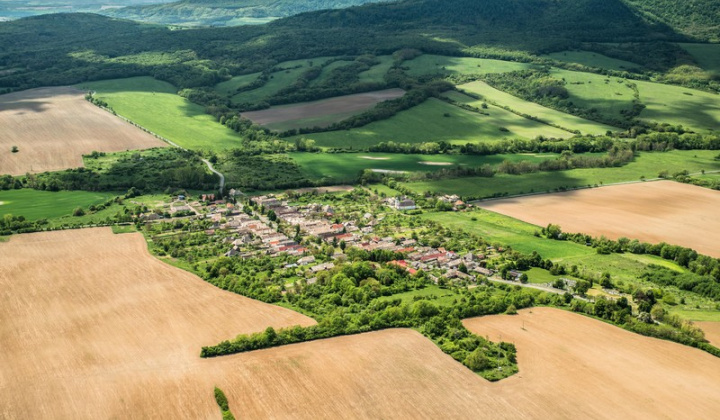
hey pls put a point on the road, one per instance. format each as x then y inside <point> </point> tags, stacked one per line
<point>222,177</point>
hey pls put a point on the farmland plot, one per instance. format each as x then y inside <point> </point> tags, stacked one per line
<point>53,127</point>
<point>664,211</point>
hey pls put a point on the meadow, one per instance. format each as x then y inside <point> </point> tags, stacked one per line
<point>34,204</point>
<point>327,70</point>
<point>347,166</point>
<point>547,115</point>
<point>230,87</point>
<point>646,164</point>
<point>592,59</point>
<point>155,105</point>
<point>376,74</point>
<point>706,55</point>
<point>438,64</point>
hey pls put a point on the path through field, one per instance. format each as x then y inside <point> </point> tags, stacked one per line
<point>53,127</point>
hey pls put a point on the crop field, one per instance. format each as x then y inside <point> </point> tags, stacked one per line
<point>230,87</point>
<point>712,331</point>
<point>433,120</point>
<point>154,105</point>
<point>654,212</point>
<point>34,204</point>
<point>111,331</point>
<point>571,366</point>
<point>706,55</point>
<point>53,127</point>
<point>346,166</point>
<point>547,115</point>
<point>438,64</point>
<point>377,73</point>
<point>320,113</point>
<point>516,125</point>
<point>647,165</point>
<point>592,59</point>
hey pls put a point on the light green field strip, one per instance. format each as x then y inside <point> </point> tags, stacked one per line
<point>434,64</point>
<point>377,73</point>
<point>592,59</point>
<point>327,70</point>
<point>547,115</point>
<point>155,106</point>
<point>230,87</point>
<point>34,204</point>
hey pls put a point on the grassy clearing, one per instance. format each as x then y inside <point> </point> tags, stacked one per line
<point>542,276</point>
<point>377,73</point>
<point>438,64</point>
<point>646,164</point>
<point>327,70</point>
<point>547,115</point>
<point>156,106</point>
<point>117,229</point>
<point>426,122</point>
<point>592,59</point>
<point>515,124</point>
<point>434,293</point>
<point>706,55</point>
<point>34,204</point>
<point>346,166</point>
<point>230,87</point>
<point>698,314</point>
<point>610,95</point>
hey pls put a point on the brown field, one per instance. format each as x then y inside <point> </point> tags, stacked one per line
<point>320,113</point>
<point>109,332</point>
<point>663,211</point>
<point>712,331</point>
<point>575,367</point>
<point>53,128</point>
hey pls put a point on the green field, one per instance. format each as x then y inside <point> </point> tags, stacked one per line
<point>377,73</point>
<point>541,276</point>
<point>609,95</point>
<point>346,166</point>
<point>551,116</point>
<point>327,70</point>
<point>592,59</point>
<point>434,293</point>
<point>706,55</point>
<point>230,87</point>
<point>155,106</point>
<point>428,122</point>
<point>646,164</point>
<point>34,204</point>
<point>438,64</point>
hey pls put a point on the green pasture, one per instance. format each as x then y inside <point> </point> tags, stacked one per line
<point>431,121</point>
<point>230,87</point>
<point>155,106</point>
<point>547,115</point>
<point>34,204</point>
<point>539,276</point>
<point>376,73</point>
<point>706,55</point>
<point>707,315</point>
<point>592,59</point>
<point>347,166</point>
<point>434,293</point>
<point>327,70</point>
<point>438,64</point>
<point>609,95</point>
<point>645,164</point>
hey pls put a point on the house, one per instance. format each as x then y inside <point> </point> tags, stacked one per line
<point>322,267</point>
<point>402,203</point>
<point>306,260</point>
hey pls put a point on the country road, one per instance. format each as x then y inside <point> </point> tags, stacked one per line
<point>222,177</point>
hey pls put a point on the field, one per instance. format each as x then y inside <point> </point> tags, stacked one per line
<point>34,204</point>
<point>438,64</point>
<point>229,88</point>
<point>712,331</point>
<point>706,55</point>
<point>547,115</point>
<point>572,367</point>
<point>654,212</point>
<point>646,165</point>
<point>320,113</point>
<point>327,70</point>
<point>377,73</point>
<point>53,127</point>
<point>346,166</point>
<point>592,59</point>
<point>155,106</point>
<point>116,339</point>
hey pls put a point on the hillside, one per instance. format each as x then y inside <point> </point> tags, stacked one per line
<point>226,12</point>
<point>697,18</point>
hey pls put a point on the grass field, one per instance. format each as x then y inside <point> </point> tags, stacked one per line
<point>706,55</point>
<point>327,70</point>
<point>646,164</point>
<point>551,116</point>
<point>438,64</point>
<point>229,88</point>
<point>155,106</point>
<point>541,276</point>
<point>592,59</point>
<point>34,204</point>
<point>436,294</point>
<point>346,166</point>
<point>426,122</point>
<point>571,366</point>
<point>53,127</point>
<point>377,73</point>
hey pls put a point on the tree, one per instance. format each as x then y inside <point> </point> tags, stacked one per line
<point>78,212</point>
<point>14,149</point>
<point>524,278</point>
<point>477,361</point>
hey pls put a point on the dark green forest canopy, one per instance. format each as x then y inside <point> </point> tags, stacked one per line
<point>71,48</point>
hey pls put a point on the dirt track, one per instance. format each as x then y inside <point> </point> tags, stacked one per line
<point>53,128</point>
<point>93,327</point>
<point>663,211</point>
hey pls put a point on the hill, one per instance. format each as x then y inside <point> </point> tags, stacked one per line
<point>226,12</point>
<point>697,18</point>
